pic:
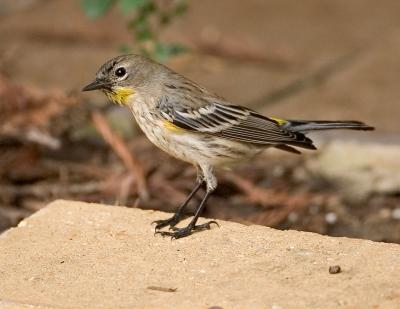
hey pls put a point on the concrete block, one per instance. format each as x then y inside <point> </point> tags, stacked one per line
<point>79,255</point>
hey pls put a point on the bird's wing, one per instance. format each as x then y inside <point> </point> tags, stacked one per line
<point>215,117</point>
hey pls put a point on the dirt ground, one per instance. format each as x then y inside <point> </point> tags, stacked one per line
<point>340,58</point>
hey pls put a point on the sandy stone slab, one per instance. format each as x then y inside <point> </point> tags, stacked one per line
<point>79,255</point>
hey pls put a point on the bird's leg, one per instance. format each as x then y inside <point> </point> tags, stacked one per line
<point>177,217</point>
<point>191,227</point>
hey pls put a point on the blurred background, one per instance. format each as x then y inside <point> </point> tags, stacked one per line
<point>310,59</point>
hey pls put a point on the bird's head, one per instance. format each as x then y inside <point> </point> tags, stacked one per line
<point>123,76</point>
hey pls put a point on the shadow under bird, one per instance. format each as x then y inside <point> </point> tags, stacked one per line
<point>197,126</point>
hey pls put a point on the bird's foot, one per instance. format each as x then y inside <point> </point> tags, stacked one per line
<point>187,230</point>
<point>171,222</point>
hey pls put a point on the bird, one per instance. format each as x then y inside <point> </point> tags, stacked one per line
<point>195,125</point>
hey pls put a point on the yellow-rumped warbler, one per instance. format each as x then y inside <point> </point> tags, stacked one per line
<point>193,124</point>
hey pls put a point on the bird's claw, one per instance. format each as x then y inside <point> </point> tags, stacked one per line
<point>206,226</point>
<point>163,223</point>
<point>186,231</point>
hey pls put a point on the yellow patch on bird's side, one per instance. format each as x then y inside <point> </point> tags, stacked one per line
<point>120,95</point>
<point>170,126</point>
<point>279,121</point>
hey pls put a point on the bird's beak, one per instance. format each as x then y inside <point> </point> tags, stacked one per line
<point>95,85</point>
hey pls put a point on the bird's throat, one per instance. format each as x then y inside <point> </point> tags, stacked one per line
<point>120,95</point>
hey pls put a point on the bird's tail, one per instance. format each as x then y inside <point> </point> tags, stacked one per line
<point>304,126</point>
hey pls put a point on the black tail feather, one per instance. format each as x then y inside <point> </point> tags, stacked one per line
<point>301,127</point>
<point>312,125</point>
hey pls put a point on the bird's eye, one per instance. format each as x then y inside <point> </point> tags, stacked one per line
<point>120,72</point>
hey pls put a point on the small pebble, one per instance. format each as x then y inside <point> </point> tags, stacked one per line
<point>331,218</point>
<point>334,269</point>
<point>396,214</point>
